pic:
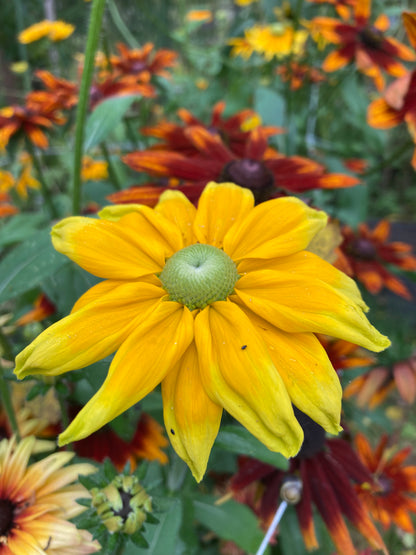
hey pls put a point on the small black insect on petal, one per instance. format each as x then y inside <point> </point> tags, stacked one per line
<point>172,431</point>
<point>243,347</point>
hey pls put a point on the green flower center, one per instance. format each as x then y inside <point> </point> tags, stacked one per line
<point>199,275</point>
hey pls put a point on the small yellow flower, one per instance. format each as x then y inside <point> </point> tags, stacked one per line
<point>37,501</point>
<point>276,40</point>
<point>54,30</point>
<point>19,67</point>
<point>220,304</point>
<point>202,84</point>
<point>93,170</point>
<point>243,3</point>
<point>251,123</point>
<point>241,46</point>
<point>6,181</point>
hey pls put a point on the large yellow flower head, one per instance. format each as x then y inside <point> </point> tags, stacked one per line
<point>219,304</point>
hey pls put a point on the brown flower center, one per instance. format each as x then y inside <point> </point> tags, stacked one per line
<point>363,248</point>
<point>252,174</point>
<point>314,435</point>
<point>6,516</point>
<point>371,37</point>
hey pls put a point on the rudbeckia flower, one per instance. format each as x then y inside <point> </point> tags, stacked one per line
<point>365,42</point>
<point>330,471</point>
<point>37,500</point>
<point>219,304</point>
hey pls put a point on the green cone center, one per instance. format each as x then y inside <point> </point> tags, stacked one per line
<point>199,275</point>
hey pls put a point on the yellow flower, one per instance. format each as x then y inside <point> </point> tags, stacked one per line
<point>278,39</point>
<point>54,30</point>
<point>241,47</point>
<point>244,2</point>
<point>219,304</point>
<point>93,170</point>
<point>6,181</point>
<point>36,502</point>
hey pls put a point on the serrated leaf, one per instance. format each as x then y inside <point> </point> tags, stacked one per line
<point>230,521</point>
<point>27,265</point>
<point>105,118</point>
<point>238,440</point>
<point>162,538</point>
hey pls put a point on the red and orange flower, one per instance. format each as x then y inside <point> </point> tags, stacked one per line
<point>329,470</point>
<point>392,499</point>
<point>365,43</point>
<point>364,255</point>
<point>261,168</point>
<point>143,62</point>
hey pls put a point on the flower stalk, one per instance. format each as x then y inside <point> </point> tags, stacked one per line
<point>97,11</point>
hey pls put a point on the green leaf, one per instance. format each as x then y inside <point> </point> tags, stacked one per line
<point>162,537</point>
<point>230,521</point>
<point>105,118</point>
<point>26,266</point>
<point>20,227</point>
<point>238,440</point>
<point>270,106</point>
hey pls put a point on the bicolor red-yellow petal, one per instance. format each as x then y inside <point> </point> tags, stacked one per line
<point>192,420</point>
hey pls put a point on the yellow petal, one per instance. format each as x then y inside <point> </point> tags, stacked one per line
<point>277,227</point>
<point>296,305</point>
<point>91,333</point>
<point>310,267</point>
<point>238,374</point>
<point>175,207</point>
<point>140,364</point>
<point>135,245</point>
<point>308,375</point>
<point>221,205</point>
<point>115,212</point>
<point>191,418</point>
<point>96,292</point>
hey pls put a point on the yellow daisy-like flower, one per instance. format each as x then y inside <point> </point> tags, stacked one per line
<point>36,502</point>
<point>276,40</point>
<point>93,170</point>
<point>54,30</point>
<point>219,304</point>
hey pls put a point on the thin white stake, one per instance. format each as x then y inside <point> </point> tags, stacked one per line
<point>276,519</point>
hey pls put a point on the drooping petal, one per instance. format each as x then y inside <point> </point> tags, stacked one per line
<point>278,227</point>
<point>133,246</point>
<point>140,364</point>
<point>90,333</point>
<point>336,60</point>
<point>191,418</point>
<point>229,204</point>
<point>238,374</point>
<point>176,207</point>
<point>307,373</point>
<point>293,304</point>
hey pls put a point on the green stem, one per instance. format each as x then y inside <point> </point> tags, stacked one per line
<point>7,403</point>
<point>44,188</point>
<point>121,26</point>
<point>97,12</point>
<point>18,7</point>
<point>396,154</point>
<point>130,131</point>
<point>111,168</point>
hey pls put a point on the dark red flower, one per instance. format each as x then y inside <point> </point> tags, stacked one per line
<point>262,169</point>
<point>365,43</point>
<point>365,255</point>
<point>392,497</point>
<point>143,62</point>
<point>329,470</point>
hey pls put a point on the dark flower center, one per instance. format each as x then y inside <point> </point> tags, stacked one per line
<point>6,516</point>
<point>138,66</point>
<point>386,485</point>
<point>252,174</point>
<point>363,248</point>
<point>371,37</point>
<point>126,508</point>
<point>314,440</point>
